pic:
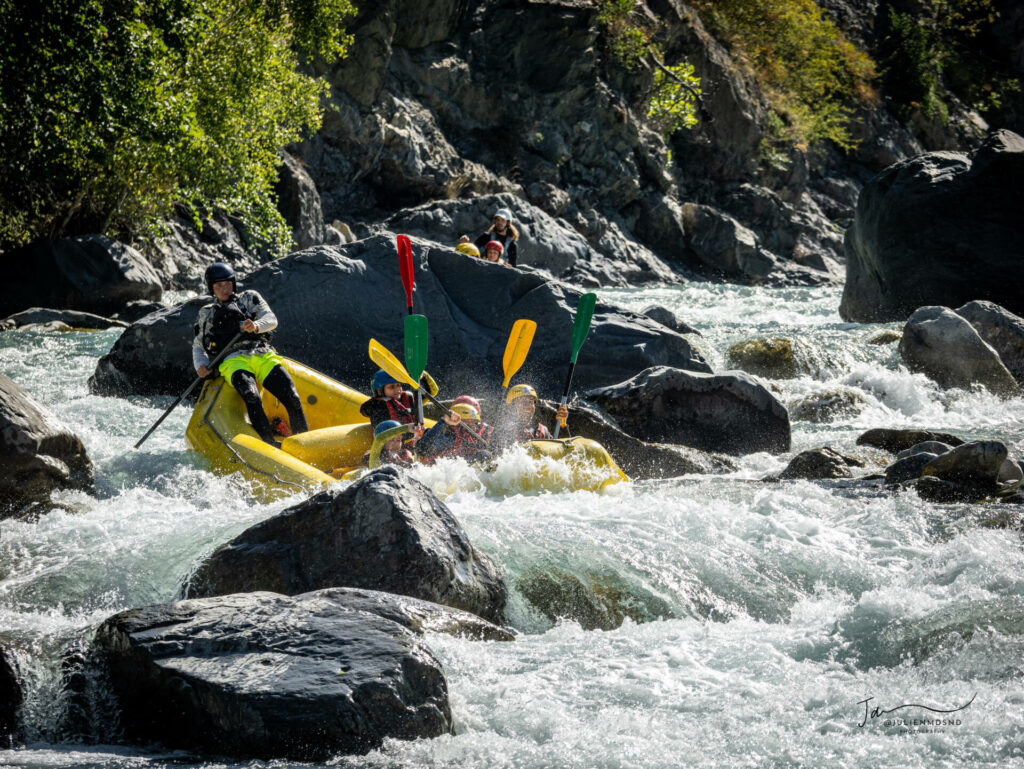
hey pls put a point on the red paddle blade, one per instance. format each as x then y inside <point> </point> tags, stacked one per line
<point>405,266</point>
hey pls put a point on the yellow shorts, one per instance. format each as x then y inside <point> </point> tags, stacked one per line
<point>258,365</point>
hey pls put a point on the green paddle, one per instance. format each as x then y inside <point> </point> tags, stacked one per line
<point>416,345</point>
<point>580,328</point>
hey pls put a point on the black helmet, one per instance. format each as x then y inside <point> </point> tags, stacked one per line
<point>217,272</point>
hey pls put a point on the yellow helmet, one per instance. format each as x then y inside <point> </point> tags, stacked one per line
<point>519,391</point>
<point>468,248</point>
<point>466,411</point>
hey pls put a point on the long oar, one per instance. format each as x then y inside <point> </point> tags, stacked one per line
<point>213,365</point>
<point>580,327</point>
<point>517,347</point>
<point>380,355</point>
<point>416,344</point>
<point>405,268</point>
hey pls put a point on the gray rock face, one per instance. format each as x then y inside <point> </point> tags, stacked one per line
<point>10,699</point>
<point>1002,330</point>
<point>330,301</point>
<point>667,318</point>
<point>385,532</point>
<point>416,615</point>
<point>299,203</point>
<point>266,676</point>
<point>91,273</point>
<point>939,229</point>
<point>137,310</point>
<point>909,467</point>
<point>725,246</point>
<point>896,440</point>
<point>729,412</point>
<point>70,318</point>
<point>37,453</point>
<point>935,447</point>
<point>975,462</point>
<point>820,463</point>
<point>944,346</point>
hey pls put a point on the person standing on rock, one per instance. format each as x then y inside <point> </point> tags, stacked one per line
<point>503,231</point>
<point>519,425</point>
<point>253,362</point>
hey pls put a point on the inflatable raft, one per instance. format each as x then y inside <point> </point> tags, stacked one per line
<point>338,437</point>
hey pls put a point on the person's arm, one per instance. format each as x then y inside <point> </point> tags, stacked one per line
<point>200,360</point>
<point>259,311</point>
<point>481,241</point>
<point>512,253</point>
<point>438,438</point>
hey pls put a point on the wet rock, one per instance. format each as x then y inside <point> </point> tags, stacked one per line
<point>730,412</point>
<point>976,462</point>
<point>1010,472</point>
<point>137,310</point>
<point>1002,330</point>
<point>822,463</point>
<point>773,358</point>
<point>330,300</point>
<point>725,246</point>
<point>896,440</point>
<point>10,698</point>
<point>667,318</point>
<point>828,406</point>
<point>91,273</point>
<point>909,467</point>
<point>935,489</point>
<point>886,337</point>
<point>415,615</point>
<point>266,676</point>
<point>37,452</point>
<point>69,318</point>
<point>915,240</point>
<point>299,203</point>
<point>934,447</point>
<point>384,532</point>
<point>945,347</point>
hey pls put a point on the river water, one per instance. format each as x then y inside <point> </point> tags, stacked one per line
<point>758,617</point>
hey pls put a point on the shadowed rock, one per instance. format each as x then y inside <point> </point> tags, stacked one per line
<point>933,447</point>
<point>730,412</point>
<point>10,699</point>
<point>896,440</point>
<point>1001,329</point>
<point>909,467</point>
<point>37,453</point>
<point>384,532</point>
<point>266,676</point>
<point>820,463</point>
<point>71,318</point>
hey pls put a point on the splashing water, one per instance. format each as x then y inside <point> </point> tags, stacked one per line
<point>701,621</point>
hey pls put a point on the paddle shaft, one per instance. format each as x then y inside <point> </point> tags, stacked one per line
<point>441,406</point>
<point>565,393</point>
<point>190,388</point>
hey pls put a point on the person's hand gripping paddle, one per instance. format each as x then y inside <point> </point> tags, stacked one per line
<point>580,328</point>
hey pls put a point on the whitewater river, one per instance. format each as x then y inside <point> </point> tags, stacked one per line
<point>759,616</point>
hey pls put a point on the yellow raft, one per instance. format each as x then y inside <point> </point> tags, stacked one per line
<point>338,437</point>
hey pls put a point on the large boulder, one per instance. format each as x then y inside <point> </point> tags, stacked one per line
<point>265,676</point>
<point>91,273</point>
<point>730,412</point>
<point>944,346</point>
<point>10,698</point>
<point>384,532</point>
<point>939,229</point>
<point>330,301</point>
<point>1002,330</point>
<point>37,453</point>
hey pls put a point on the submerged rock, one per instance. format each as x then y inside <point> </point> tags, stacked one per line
<point>730,412</point>
<point>37,452</point>
<point>945,347</point>
<point>90,272</point>
<point>384,532</point>
<point>822,463</point>
<point>266,676</point>
<point>886,337</point>
<point>916,239</point>
<point>896,440</point>
<point>774,358</point>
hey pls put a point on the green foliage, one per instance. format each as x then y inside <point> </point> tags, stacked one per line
<point>811,74</point>
<point>674,100</point>
<point>114,110</point>
<point>930,51</point>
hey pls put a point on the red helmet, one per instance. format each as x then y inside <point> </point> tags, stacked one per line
<point>469,400</point>
<point>494,244</point>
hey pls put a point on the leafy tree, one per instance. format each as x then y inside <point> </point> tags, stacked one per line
<point>114,110</point>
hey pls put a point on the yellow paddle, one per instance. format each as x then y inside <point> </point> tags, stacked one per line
<point>380,355</point>
<point>519,341</point>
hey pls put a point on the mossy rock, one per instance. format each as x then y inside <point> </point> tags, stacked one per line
<point>886,337</point>
<point>828,406</point>
<point>774,358</point>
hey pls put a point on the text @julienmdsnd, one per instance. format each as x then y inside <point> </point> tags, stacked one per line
<point>923,724</point>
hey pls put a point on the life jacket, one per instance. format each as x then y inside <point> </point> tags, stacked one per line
<point>464,445</point>
<point>401,408</point>
<point>224,325</point>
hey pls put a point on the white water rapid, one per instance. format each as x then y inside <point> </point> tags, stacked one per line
<point>758,617</point>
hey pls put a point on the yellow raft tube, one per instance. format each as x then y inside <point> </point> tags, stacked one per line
<point>338,437</point>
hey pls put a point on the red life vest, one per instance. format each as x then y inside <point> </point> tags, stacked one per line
<point>401,409</point>
<point>464,445</point>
